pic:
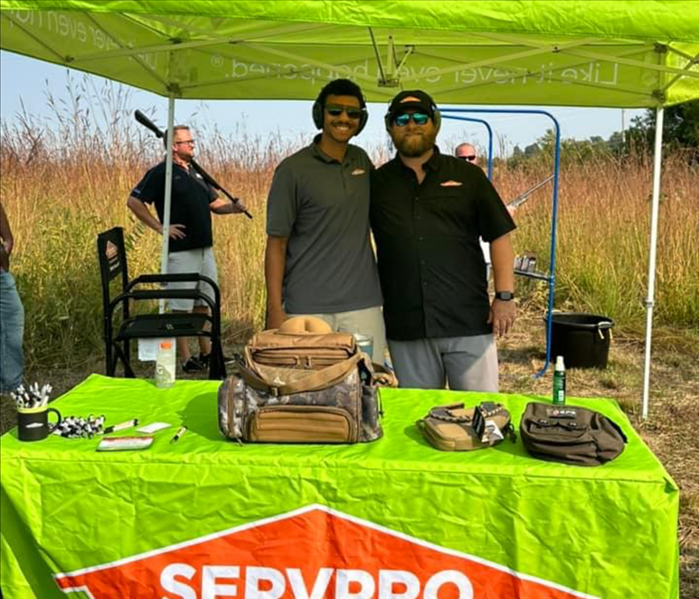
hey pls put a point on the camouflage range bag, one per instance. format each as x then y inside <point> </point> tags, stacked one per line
<point>303,383</point>
<point>456,428</point>
<point>570,434</point>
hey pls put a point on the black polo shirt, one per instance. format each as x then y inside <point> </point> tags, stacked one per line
<point>432,271</point>
<point>191,197</point>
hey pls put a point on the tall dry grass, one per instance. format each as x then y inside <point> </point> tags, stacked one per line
<point>604,236</point>
<point>66,178</point>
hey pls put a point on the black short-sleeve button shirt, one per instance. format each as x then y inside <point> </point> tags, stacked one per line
<point>432,271</point>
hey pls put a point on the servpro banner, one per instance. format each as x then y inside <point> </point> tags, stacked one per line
<point>309,554</point>
<point>205,518</point>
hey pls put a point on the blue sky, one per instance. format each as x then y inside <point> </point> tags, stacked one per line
<point>27,80</point>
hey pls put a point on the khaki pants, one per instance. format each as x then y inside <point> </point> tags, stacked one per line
<point>368,321</point>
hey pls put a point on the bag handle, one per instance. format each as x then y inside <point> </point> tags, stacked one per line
<point>315,381</point>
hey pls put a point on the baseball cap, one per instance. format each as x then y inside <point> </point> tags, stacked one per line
<point>422,102</point>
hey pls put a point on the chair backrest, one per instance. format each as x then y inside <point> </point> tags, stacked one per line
<point>112,258</point>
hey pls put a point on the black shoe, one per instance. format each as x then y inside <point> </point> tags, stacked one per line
<point>193,365</point>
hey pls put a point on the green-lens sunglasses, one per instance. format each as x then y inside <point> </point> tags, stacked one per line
<point>419,118</point>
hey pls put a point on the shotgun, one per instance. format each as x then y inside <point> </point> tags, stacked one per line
<point>520,199</point>
<point>159,133</point>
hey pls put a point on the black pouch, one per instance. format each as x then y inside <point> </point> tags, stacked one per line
<point>570,435</point>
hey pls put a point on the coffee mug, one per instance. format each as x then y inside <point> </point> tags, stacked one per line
<point>33,423</point>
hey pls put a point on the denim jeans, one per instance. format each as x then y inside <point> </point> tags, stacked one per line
<point>11,334</point>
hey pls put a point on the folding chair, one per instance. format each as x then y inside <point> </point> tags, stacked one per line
<point>112,259</point>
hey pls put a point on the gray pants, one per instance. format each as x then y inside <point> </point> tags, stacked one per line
<point>466,363</point>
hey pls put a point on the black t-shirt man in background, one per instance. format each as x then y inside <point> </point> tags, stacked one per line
<point>428,211</point>
<point>191,236</point>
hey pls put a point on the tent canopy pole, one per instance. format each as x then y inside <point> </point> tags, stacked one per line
<point>168,188</point>
<point>657,155</point>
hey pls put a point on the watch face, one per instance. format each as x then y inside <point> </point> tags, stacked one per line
<point>505,295</point>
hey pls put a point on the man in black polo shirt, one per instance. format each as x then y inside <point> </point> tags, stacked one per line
<point>191,236</point>
<point>427,212</point>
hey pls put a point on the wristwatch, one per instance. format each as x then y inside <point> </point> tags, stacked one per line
<point>504,296</point>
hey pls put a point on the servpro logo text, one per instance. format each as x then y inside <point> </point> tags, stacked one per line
<point>270,583</point>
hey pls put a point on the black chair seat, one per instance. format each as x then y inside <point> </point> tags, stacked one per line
<point>118,335</point>
<point>153,326</point>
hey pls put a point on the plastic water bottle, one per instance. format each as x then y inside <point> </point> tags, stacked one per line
<point>165,364</point>
<point>559,382</point>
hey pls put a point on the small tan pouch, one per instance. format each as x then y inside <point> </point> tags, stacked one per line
<point>450,428</point>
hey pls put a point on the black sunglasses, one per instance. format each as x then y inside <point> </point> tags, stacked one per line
<point>419,118</point>
<point>351,111</point>
<point>470,157</point>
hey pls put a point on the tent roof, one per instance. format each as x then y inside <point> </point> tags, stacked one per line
<point>616,54</point>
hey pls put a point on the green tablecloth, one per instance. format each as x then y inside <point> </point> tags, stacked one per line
<point>182,520</point>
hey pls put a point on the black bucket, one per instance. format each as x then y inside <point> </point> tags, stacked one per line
<point>582,339</point>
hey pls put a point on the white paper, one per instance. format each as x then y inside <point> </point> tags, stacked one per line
<point>147,349</point>
<point>154,427</point>
<point>491,432</point>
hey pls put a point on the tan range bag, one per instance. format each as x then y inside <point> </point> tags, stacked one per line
<point>450,428</point>
<point>303,383</point>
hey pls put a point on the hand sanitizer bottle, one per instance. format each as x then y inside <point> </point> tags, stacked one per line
<point>165,364</point>
<point>559,382</point>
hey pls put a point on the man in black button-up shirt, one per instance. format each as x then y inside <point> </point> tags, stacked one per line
<point>427,212</point>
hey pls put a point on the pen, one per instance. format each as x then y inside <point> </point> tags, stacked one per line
<point>121,426</point>
<point>178,434</point>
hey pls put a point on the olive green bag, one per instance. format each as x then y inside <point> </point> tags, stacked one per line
<point>451,427</point>
<point>570,435</point>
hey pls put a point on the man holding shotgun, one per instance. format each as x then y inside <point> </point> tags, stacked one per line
<point>191,237</point>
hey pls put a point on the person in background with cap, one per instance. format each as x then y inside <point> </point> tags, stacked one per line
<point>427,212</point>
<point>319,260</point>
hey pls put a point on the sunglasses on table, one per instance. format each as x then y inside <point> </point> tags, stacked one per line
<point>470,157</point>
<point>351,111</point>
<point>419,118</point>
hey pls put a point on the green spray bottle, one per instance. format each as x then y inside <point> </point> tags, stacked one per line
<point>559,382</point>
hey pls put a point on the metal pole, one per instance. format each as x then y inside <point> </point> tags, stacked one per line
<point>168,190</point>
<point>168,182</point>
<point>657,154</point>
